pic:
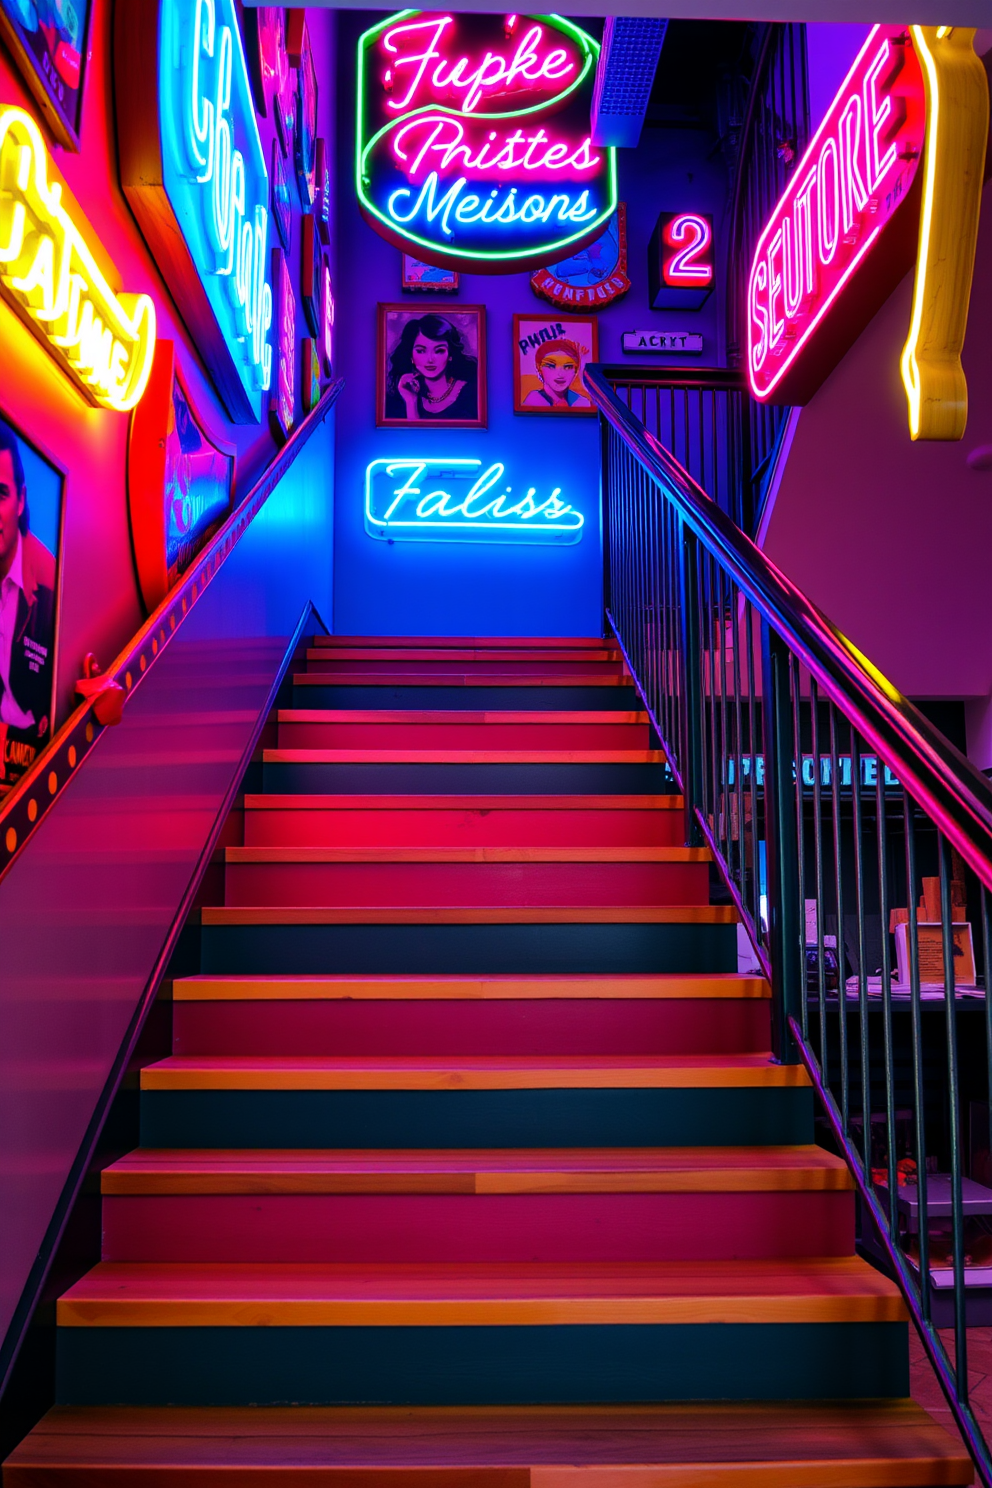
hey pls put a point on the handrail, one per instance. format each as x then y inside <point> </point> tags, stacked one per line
<point>941,779</point>
<point>823,846</point>
<point>24,809</point>
<point>719,379</point>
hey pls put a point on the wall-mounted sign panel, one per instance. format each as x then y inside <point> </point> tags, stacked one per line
<point>179,480</point>
<point>193,170</point>
<point>681,343</point>
<point>56,277</point>
<point>592,276</point>
<point>49,40</point>
<point>845,230</point>
<point>473,143</point>
<point>681,261</point>
<point>463,500</point>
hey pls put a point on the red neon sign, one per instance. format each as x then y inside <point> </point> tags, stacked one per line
<point>841,236</point>
<point>421,70</point>
<point>688,262</point>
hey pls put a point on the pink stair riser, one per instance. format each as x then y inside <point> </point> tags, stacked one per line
<point>318,826</point>
<point>382,1228</point>
<point>463,668</point>
<point>394,1029</point>
<point>324,734</point>
<point>468,884</point>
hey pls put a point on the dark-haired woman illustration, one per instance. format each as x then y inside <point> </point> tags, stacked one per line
<point>430,374</point>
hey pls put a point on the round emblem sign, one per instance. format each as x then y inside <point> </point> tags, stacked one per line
<point>473,146</point>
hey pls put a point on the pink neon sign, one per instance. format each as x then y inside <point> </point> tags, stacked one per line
<point>840,238</point>
<point>688,261</point>
<point>422,68</point>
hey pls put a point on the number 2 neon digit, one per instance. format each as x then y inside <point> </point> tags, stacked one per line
<point>697,235</point>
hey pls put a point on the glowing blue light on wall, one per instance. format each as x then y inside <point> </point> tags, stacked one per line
<point>215,176</point>
<point>455,500</point>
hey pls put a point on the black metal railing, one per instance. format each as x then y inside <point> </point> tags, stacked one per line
<point>842,822</point>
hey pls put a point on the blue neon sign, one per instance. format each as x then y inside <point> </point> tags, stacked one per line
<point>214,174</point>
<point>453,500</point>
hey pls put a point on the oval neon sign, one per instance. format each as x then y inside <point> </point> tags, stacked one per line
<point>473,142</point>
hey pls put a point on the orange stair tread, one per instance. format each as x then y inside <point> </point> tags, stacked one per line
<point>622,986</point>
<point>521,643</point>
<point>754,1445</point>
<point>454,716</point>
<point>597,655</point>
<point>604,855</point>
<point>327,677</point>
<point>637,914</point>
<point>582,1072</point>
<point>834,1289</point>
<point>455,802</point>
<point>463,756</point>
<point>556,1170</point>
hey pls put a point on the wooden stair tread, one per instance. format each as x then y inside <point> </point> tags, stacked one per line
<point>805,1444</point>
<point>556,1170</point>
<point>598,653</point>
<point>463,756</point>
<point>494,1072</point>
<point>142,1294</point>
<point>327,677</point>
<point>455,716</point>
<point>630,985</point>
<point>275,854</point>
<point>276,802</point>
<point>520,643</point>
<point>446,914</point>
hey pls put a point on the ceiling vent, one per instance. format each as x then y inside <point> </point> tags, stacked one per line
<point>624,78</point>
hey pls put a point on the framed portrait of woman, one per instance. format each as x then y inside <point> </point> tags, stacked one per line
<point>550,354</point>
<point>431,366</point>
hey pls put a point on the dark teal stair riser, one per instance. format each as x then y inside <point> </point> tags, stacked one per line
<point>475,1118</point>
<point>460,699</point>
<point>609,949</point>
<point>479,1365</point>
<point>480,779</point>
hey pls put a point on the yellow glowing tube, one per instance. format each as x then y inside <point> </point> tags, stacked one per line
<point>957,129</point>
<point>105,341</point>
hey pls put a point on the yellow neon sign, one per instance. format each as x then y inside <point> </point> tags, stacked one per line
<point>957,129</point>
<point>103,340</point>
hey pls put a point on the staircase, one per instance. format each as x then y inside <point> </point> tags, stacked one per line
<point>471,1167</point>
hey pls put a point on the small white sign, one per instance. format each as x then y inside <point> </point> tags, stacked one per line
<point>663,341</point>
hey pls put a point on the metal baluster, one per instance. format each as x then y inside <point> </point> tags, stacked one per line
<point>800,810</point>
<point>859,904</point>
<point>845,1103</point>
<point>780,838</point>
<point>755,745</point>
<point>916,1028</point>
<point>954,1103</point>
<point>818,849</point>
<point>690,680</point>
<point>890,1078</point>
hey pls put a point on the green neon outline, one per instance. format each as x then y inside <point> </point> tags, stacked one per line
<point>589,46</point>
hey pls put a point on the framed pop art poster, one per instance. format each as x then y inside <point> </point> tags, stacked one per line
<point>550,354</point>
<point>431,366</point>
<point>180,480</point>
<point>31,501</point>
<point>48,40</point>
<point>305,138</point>
<point>424,276</point>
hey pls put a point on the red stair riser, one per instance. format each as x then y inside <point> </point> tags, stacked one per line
<point>482,669</point>
<point>472,884</point>
<point>494,827</point>
<point>383,1228</point>
<point>393,1029</point>
<point>314,734</point>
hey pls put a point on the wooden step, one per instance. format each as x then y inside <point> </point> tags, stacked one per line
<point>423,729</point>
<point>719,986</point>
<point>424,676</point>
<point>468,654</point>
<point>400,664</point>
<point>577,1072</point>
<point>634,914</point>
<point>807,1444</point>
<point>472,821</point>
<point>505,643</point>
<point>828,1290</point>
<point>468,855</point>
<point>463,756</point>
<point>565,1170</point>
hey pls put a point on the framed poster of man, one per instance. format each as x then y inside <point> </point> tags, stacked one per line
<point>48,39</point>
<point>550,354</point>
<point>30,543</point>
<point>431,366</point>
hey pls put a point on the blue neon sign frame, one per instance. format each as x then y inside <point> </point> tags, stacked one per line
<point>423,499</point>
<point>214,174</point>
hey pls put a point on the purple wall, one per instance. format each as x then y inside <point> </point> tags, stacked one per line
<point>441,588</point>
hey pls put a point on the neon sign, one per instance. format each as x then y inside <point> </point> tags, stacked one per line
<point>473,141</point>
<point>446,500</point>
<point>203,202</point>
<point>681,264</point>
<point>50,274</point>
<point>839,239</point>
